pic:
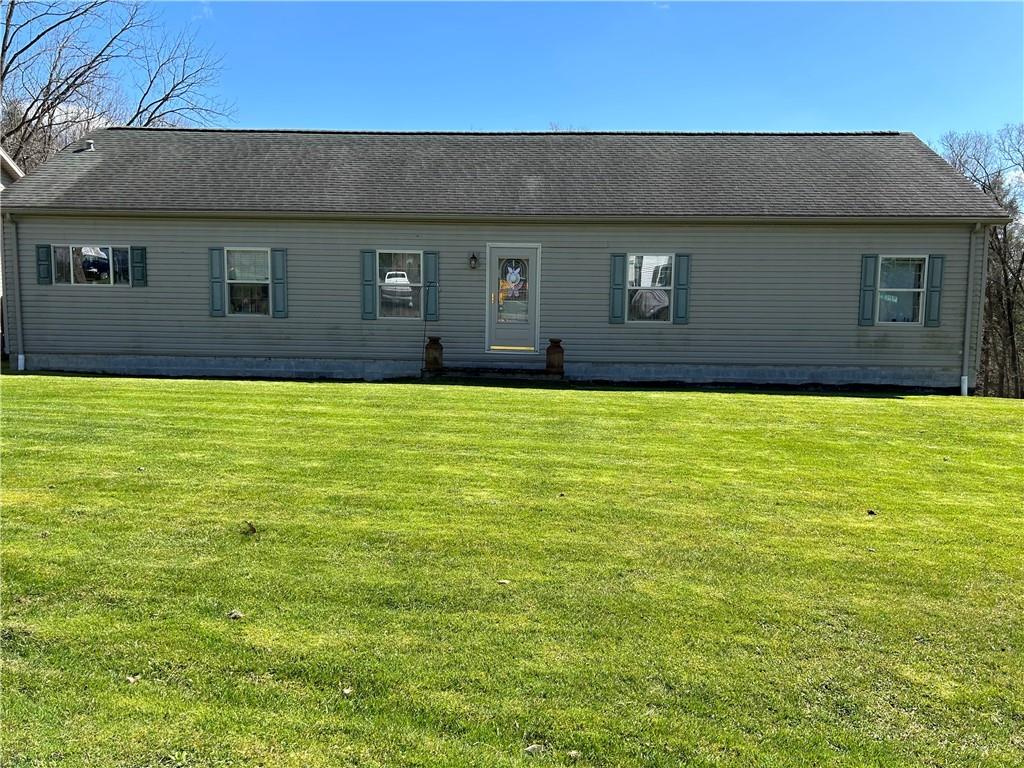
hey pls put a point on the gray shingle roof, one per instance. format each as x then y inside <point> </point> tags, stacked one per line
<point>505,174</point>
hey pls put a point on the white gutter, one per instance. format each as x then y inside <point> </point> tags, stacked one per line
<point>965,360</point>
<point>20,334</point>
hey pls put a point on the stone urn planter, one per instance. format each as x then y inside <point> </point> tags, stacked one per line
<point>433,359</point>
<point>555,358</point>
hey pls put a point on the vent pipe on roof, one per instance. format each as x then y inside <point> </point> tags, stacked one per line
<point>90,145</point>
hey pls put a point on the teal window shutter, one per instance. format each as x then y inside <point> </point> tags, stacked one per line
<point>868,288</point>
<point>279,281</point>
<point>430,285</point>
<point>617,297</point>
<point>44,265</point>
<point>933,300</point>
<point>681,310</point>
<point>138,266</point>
<point>217,282</point>
<point>369,284</point>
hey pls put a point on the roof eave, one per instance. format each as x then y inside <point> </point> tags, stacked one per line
<point>12,167</point>
<point>548,218</point>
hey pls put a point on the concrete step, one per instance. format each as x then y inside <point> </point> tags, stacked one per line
<point>493,374</point>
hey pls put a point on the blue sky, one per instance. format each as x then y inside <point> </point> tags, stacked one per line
<point>922,67</point>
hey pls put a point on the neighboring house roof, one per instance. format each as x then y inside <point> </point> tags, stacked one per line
<point>598,175</point>
<point>9,170</point>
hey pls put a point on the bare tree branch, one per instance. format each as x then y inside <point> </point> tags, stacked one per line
<point>177,71</point>
<point>10,58</point>
<point>69,67</point>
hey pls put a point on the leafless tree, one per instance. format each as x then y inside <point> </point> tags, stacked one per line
<point>69,67</point>
<point>556,127</point>
<point>995,163</point>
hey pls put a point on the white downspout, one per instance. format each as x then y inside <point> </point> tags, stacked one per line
<point>16,285</point>
<point>965,365</point>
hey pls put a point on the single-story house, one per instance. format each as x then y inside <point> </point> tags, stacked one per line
<point>834,258</point>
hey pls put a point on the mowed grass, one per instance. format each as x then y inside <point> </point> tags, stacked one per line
<point>693,577</point>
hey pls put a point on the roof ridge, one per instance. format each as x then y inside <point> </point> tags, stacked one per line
<point>504,133</point>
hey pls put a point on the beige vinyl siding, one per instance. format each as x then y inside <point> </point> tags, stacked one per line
<point>979,244</point>
<point>760,294</point>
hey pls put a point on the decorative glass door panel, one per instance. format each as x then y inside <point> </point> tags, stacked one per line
<point>513,290</point>
<point>512,301</point>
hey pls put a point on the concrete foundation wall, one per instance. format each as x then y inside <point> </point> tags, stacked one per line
<point>378,370</point>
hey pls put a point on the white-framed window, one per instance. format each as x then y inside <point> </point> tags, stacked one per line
<point>649,287</point>
<point>91,264</point>
<point>247,275</point>
<point>400,284</point>
<point>901,287</point>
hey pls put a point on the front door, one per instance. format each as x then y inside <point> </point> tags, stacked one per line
<point>513,275</point>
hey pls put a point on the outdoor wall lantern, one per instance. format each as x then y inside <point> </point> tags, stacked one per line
<point>473,260</point>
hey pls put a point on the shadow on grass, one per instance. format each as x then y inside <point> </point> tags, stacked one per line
<point>492,379</point>
<point>817,390</point>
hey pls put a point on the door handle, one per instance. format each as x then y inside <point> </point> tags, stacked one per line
<point>492,297</point>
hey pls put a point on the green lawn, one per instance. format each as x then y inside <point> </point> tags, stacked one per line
<point>693,578</point>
